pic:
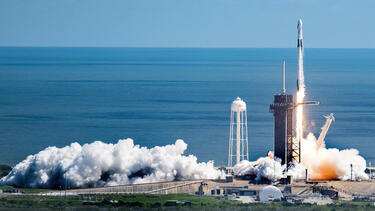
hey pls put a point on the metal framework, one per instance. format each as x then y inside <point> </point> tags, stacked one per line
<point>284,147</point>
<point>294,152</point>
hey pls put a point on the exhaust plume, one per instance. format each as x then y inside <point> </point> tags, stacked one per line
<point>331,163</point>
<point>322,164</point>
<point>99,164</point>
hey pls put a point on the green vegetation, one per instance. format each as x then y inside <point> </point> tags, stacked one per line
<point>111,201</point>
<point>4,170</point>
<point>158,202</point>
<point>11,189</point>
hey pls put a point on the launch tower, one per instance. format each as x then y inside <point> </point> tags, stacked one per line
<point>282,109</point>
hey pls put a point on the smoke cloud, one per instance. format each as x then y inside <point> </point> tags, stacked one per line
<point>99,164</point>
<point>322,164</point>
<point>331,163</point>
<point>264,167</point>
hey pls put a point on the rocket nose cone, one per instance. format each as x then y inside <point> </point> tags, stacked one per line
<point>300,22</point>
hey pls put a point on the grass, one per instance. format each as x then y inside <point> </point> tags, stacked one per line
<point>6,188</point>
<point>142,201</point>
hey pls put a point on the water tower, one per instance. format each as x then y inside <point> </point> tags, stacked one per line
<point>238,133</point>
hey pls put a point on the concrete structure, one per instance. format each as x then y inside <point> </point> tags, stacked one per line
<point>238,133</point>
<point>346,190</point>
<point>187,186</point>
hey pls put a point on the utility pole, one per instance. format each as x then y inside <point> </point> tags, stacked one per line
<point>65,186</point>
<point>274,169</point>
<point>200,190</point>
<point>369,163</point>
<point>351,172</point>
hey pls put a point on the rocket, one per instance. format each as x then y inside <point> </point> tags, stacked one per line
<point>299,27</point>
<point>300,79</point>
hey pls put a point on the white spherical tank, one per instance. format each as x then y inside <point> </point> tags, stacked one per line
<point>270,193</point>
<point>238,105</point>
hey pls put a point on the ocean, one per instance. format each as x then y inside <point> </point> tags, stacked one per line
<point>56,96</point>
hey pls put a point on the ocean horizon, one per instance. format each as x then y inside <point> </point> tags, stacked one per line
<point>53,96</point>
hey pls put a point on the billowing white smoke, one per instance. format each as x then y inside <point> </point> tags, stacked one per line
<point>322,164</point>
<point>100,164</point>
<point>264,167</point>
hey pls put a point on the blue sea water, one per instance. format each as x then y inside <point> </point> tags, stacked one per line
<point>55,96</point>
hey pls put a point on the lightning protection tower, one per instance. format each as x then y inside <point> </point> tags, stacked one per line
<point>238,133</point>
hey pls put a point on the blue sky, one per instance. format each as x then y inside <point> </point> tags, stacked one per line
<point>187,23</point>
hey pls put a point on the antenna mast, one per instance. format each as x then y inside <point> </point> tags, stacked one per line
<point>283,91</point>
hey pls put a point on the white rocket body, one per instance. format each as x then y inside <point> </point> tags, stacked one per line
<point>301,78</point>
